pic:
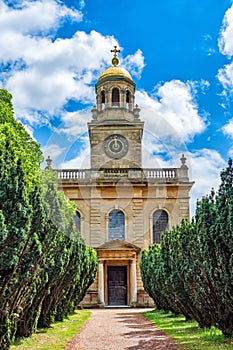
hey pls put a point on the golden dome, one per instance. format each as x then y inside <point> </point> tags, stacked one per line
<point>115,72</point>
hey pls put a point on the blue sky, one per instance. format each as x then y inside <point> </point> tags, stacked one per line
<point>179,53</point>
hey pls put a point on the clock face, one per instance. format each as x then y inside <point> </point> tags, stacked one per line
<point>116,146</point>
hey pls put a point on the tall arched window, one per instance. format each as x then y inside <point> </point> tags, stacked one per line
<point>115,97</point>
<point>160,224</point>
<point>116,225</point>
<point>77,220</point>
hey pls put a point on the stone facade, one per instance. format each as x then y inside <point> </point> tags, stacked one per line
<point>122,207</point>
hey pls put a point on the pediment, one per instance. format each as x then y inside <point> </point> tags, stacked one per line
<point>118,244</point>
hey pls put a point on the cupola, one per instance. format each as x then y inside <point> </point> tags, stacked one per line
<point>115,89</point>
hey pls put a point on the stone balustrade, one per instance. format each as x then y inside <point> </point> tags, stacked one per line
<point>146,174</point>
<point>73,174</point>
<point>160,173</point>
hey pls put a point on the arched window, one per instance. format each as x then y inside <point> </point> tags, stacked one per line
<point>115,97</point>
<point>116,225</point>
<point>102,99</point>
<point>160,224</point>
<point>77,220</point>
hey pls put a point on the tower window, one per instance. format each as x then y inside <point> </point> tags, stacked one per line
<point>160,224</point>
<point>77,220</point>
<point>127,99</point>
<point>115,97</point>
<point>102,99</point>
<point>116,225</point>
<point>127,96</point>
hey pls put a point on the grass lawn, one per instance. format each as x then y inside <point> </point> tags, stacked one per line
<point>187,335</point>
<point>56,337</point>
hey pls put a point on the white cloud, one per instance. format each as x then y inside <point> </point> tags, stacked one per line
<point>74,123</point>
<point>30,130</point>
<point>228,129</point>
<point>36,90</point>
<point>205,166</point>
<point>52,150</point>
<point>171,112</point>
<point>82,4</point>
<point>45,72</point>
<point>225,42</point>
<point>225,76</point>
<point>158,152</point>
<point>82,159</point>
<point>230,152</point>
<point>134,63</point>
<point>58,71</point>
<point>33,17</point>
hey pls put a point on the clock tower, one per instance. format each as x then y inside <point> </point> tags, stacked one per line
<point>115,131</point>
<point>122,208</point>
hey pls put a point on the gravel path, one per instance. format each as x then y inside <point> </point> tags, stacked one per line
<point>120,329</point>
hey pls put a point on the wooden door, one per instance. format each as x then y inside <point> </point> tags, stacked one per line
<point>117,285</point>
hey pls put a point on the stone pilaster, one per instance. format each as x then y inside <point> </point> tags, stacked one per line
<point>101,284</point>
<point>95,222</point>
<point>133,283</point>
<point>138,220</point>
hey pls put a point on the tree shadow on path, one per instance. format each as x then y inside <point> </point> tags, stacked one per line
<point>149,337</point>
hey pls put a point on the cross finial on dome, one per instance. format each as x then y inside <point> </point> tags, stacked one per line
<point>115,60</point>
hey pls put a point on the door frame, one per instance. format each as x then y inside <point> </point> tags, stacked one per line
<point>124,270</point>
<point>116,263</point>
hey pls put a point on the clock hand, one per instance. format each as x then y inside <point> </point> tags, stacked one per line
<point>116,143</point>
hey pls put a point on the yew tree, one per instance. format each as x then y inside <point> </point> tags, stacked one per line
<point>45,266</point>
<point>192,270</point>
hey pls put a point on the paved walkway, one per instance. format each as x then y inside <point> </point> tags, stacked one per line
<point>120,329</point>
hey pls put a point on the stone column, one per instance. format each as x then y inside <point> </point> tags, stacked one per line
<point>131,102</point>
<point>122,102</point>
<point>98,99</point>
<point>133,283</point>
<point>108,98</point>
<point>101,284</point>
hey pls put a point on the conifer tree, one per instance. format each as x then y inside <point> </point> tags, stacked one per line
<point>222,271</point>
<point>43,260</point>
<point>17,215</point>
<point>196,260</point>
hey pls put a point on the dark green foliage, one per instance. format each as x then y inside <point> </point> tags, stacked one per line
<point>45,266</point>
<point>63,256</point>
<point>153,278</point>
<point>191,272</point>
<point>16,212</point>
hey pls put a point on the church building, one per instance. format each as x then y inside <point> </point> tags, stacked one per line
<point>122,208</point>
